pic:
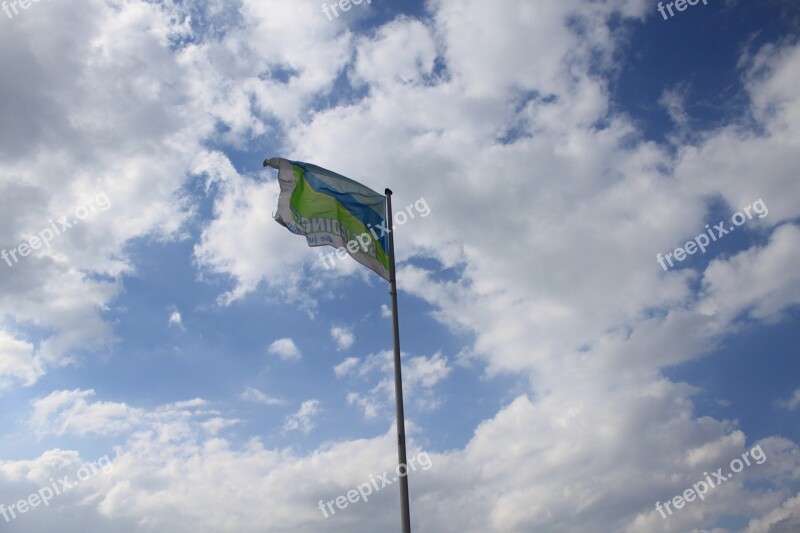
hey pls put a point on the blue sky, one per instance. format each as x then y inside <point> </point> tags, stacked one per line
<point>557,377</point>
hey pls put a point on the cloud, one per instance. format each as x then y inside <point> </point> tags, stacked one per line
<point>18,361</point>
<point>346,366</point>
<point>727,284</point>
<point>169,476</point>
<point>674,102</point>
<point>795,401</point>
<point>87,480</point>
<point>303,419</point>
<point>134,161</point>
<point>176,320</point>
<point>243,206</point>
<point>214,425</point>
<point>251,394</point>
<point>783,519</point>
<point>344,337</point>
<point>426,372</point>
<point>792,403</point>
<point>285,349</point>
<point>370,408</point>
<point>185,404</point>
<point>74,412</point>
<point>168,470</point>
<point>421,375</point>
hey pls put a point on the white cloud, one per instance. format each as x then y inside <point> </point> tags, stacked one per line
<point>251,394</point>
<point>214,425</point>
<point>783,519</point>
<point>346,366</point>
<point>17,361</point>
<point>729,284</point>
<point>285,349</point>
<point>186,404</point>
<point>369,407</point>
<point>303,419</point>
<point>426,371</point>
<point>420,376</point>
<point>176,320</point>
<point>402,52</point>
<point>169,478</point>
<point>344,337</point>
<point>69,412</point>
<point>168,471</point>
<point>88,480</point>
<point>674,102</point>
<point>74,412</point>
<point>138,158</point>
<point>795,401</point>
<point>244,207</point>
<point>792,403</point>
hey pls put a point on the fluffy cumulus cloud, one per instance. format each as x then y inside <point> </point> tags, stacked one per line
<point>76,413</point>
<point>130,97</point>
<point>343,337</point>
<point>285,349</point>
<point>17,361</point>
<point>171,473</point>
<point>785,518</point>
<point>69,412</point>
<point>171,467</point>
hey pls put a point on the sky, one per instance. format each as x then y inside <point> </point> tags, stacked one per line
<point>598,293</point>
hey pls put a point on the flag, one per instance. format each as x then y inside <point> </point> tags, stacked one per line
<point>332,210</point>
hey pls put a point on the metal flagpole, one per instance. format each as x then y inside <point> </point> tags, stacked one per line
<point>398,378</point>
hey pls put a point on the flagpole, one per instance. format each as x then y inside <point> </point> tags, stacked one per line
<point>398,377</point>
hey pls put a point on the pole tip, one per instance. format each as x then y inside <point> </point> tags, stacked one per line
<point>388,191</point>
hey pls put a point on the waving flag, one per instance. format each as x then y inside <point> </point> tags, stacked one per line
<point>330,209</point>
